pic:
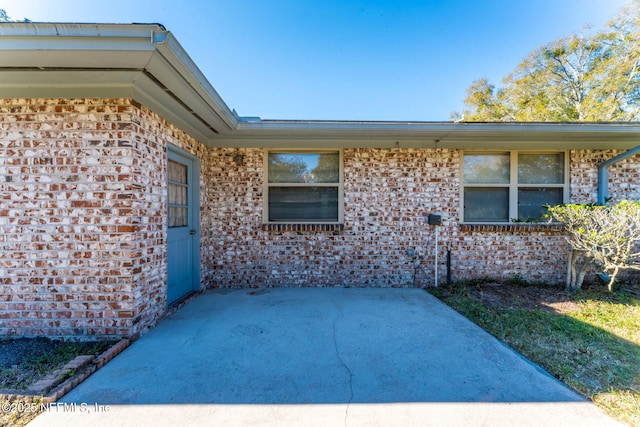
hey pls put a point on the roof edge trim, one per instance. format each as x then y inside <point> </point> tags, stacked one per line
<point>147,47</point>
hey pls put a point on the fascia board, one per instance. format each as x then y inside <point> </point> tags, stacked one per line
<point>176,56</point>
<point>446,127</point>
<point>434,134</point>
<point>43,30</point>
<point>75,45</point>
<point>471,143</point>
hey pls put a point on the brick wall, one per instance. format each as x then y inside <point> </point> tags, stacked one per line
<point>82,217</point>
<point>381,222</point>
<point>387,194</point>
<point>533,253</point>
<point>624,176</point>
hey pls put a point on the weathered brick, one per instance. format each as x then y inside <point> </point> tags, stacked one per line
<point>64,162</point>
<point>83,220</point>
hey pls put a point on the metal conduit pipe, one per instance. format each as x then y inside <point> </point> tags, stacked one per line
<point>603,174</point>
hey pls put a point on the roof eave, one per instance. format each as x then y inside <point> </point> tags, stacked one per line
<point>344,134</point>
<point>142,61</point>
<point>145,62</point>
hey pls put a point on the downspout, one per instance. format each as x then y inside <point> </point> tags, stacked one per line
<point>603,174</point>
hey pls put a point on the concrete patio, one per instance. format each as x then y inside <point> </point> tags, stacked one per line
<point>320,356</point>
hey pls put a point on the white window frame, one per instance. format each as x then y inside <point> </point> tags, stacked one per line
<point>513,184</point>
<point>267,185</point>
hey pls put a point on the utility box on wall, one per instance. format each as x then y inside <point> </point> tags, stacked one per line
<point>433,219</point>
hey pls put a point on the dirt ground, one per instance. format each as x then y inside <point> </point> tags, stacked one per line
<point>524,297</point>
<point>551,298</point>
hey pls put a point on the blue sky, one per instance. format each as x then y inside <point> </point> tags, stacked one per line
<point>344,60</point>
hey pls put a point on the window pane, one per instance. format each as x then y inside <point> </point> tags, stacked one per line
<point>313,204</point>
<point>541,168</point>
<point>177,194</point>
<point>531,201</point>
<point>304,167</point>
<point>177,172</point>
<point>177,216</point>
<point>486,168</point>
<point>486,204</point>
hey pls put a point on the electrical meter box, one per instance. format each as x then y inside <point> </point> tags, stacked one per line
<point>433,219</point>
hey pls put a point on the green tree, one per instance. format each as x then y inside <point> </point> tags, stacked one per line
<point>328,169</point>
<point>486,103</point>
<point>286,168</point>
<point>619,72</point>
<point>576,78</point>
<point>4,17</point>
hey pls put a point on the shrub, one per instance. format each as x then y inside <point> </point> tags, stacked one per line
<point>604,236</point>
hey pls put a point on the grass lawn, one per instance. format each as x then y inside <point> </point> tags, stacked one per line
<point>590,340</point>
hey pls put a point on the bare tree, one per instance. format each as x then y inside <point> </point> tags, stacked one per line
<point>605,236</point>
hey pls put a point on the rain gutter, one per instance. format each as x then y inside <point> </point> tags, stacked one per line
<point>603,174</point>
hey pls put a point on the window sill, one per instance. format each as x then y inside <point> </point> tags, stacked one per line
<point>511,227</point>
<point>311,227</point>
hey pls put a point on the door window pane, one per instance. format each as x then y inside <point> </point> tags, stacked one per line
<point>486,168</point>
<point>309,168</point>
<point>541,168</point>
<point>178,216</point>
<point>532,201</point>
<point>177,194</point>
<point>177,172</point>
<point>486,204</point>
<point>303,204</point>
<point>177,197</point>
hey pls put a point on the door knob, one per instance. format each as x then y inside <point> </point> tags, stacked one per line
<point>192,232</point>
